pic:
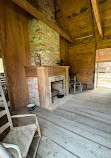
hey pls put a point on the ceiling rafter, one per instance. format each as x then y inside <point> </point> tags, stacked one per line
<point>97,16</point>
<point>37,14</point>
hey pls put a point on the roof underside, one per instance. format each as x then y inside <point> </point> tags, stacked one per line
<point>77,19</point>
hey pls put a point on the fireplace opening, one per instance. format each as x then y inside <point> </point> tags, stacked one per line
<point>57,90</point>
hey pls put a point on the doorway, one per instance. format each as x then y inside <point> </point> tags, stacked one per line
<point>103,68</point>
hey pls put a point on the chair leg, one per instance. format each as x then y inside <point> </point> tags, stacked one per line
<point>81,88</point>
<point>39,134</point>
<point>38,130</point>
<point>74,88</point>
<point>52,99</point>
<point>70,89</point>
<point>35,153</point>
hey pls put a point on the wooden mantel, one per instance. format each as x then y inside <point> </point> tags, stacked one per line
<point>43,73</point>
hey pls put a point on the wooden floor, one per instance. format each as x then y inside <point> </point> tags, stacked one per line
<point>80,128</point>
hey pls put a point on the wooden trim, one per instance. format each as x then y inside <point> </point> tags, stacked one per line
<point>31,75</point>
<point>83,37</point>
<point>103,61</point>
<point>37,14</point>
<point>57,74</point>
<point>97,75</point>
<point>101,68</point>
<point>46,66</point>
<point>67,80</point>
<point>97,16</point>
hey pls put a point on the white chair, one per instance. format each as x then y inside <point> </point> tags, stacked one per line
<point>73,84</point>
<point>4,152</point>
<point>4,85</point>
<point>19,139</point>
<point>3,80</point>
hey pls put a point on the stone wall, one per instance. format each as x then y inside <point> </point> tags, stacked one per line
<point>43,39</point>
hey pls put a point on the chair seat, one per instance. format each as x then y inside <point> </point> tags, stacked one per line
<point>22,137</point>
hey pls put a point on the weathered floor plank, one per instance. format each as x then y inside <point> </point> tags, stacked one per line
<point>49,149</point>
<point>80,128</point>
<point>84,120</point>
<point>90,133</point>
<point>76,144</point>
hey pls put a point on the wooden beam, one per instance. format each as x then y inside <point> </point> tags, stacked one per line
<point>97,75</point>
<point>37,14</point>
<point>83,37</point>
<point>97,16</point>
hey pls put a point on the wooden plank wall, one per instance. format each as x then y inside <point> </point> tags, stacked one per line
<point>103,55</point>
<point>81,21</point>
<point>0,54</point>
<point>81,59</point>
<point>15,50</point>
<point>64,50</point>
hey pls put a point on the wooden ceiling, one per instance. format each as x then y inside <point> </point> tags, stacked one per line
<point>76,17</point>
<point>40,16</point>
<point>76,20</point>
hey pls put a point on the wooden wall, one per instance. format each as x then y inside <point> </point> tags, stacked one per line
<point>103,55</point>
<point>81,60</point>
<point>64,50</point>
<point>15,50</point>
<point>79,21</point>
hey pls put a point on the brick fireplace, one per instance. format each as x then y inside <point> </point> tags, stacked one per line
<point>58,83</point>
<point>40,79</point>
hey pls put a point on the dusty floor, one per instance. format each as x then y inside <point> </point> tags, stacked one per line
<point>79,128</point>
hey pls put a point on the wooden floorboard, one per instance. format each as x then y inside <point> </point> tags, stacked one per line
<point>79,128</point>
<point>72,142</point>
<point>50,149</point>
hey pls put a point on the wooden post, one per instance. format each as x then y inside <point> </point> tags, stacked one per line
<point>67,80</point>
<point>97,16</point>
<point>97,75</point>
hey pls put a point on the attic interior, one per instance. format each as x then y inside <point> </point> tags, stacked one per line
<point>55,58</point>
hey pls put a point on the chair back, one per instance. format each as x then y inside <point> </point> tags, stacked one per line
<point>3,80</point>
<point>73,78</point>
<point>5,111</point>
